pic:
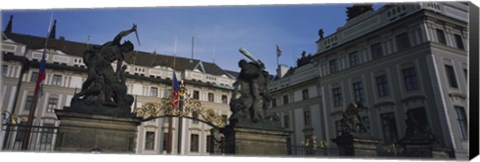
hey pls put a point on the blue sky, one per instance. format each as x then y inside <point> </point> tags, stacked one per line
<point>219,31</point>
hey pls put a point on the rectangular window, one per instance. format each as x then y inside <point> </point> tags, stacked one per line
<point>154,91</point>
<point>376,50</point>
<point>358,91</point>
<point>4,70</point>
<point>354,58</point>
<point>410,79</point>
<point>337,97</point>
<point>28,103</point>
<point>14,71</point>
<point>285,99</point>
<point>52,104</point>
<point>47,134</point>
<point>441,37</point>
<point>389,127</point>
<point>333,66</point>
<point>194,143</point>
<point>462,121</point>
<point>196,95</point>
<point>452,80</point>
<point>209,144</point>
<point>286,121</point>
<point>403,41</point>
<point>459,41</point>
<point>149,140</point>
<point>382,86</point>
<point>224,99</point>
<point>195,115</point>
<point>168,92</point>
<point>211,97</point>
<point>165,141</point>
<point>57,80</point>
<point>274,102</point>
<point>305,94</point>
<point>306,117</point>
<point>34,77</point>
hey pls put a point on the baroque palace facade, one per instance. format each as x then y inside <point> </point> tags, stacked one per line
<point>148,80</point>
<point>398,59</point>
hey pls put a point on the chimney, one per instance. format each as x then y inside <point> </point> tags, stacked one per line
<point>281,70</point>
<point>8,29</point>
<point>53,31</point>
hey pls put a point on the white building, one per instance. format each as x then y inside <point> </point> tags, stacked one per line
<point>149,80</point>
<point>397,59</point>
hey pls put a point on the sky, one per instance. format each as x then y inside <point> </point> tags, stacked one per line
<point>219,31</point>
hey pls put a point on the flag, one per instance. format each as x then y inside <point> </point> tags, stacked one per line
<point>175,91</point>
<point>41,75</point>
<point>279,52</point>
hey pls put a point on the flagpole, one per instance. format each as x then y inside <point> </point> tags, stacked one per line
<point>31,114</point>
<point>180,118</point>
<point>193,49</point>
<point>170,126</point>
<point>278,53</point>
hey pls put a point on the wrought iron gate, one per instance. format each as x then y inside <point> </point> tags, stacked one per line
<point>42,138</point>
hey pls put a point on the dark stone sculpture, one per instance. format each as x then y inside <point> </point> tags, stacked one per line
<point>104,91</point>
<point>416,129</point>
<point>251,98</point>
<point>352,122</point>
<point>305,59</point>
<point>320,33</point>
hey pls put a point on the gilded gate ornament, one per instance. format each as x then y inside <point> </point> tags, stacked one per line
<point>192,109</point>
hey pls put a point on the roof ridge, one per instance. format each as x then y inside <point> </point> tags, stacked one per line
<point>142,58</point>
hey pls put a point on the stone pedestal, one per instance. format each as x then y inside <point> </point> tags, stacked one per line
<point>360,146</point>
<point>424,148</point>
<point>250,140</point>
<point>417,147</point>
<point>83,132</point>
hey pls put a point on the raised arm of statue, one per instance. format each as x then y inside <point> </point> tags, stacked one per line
<point>122,34</point>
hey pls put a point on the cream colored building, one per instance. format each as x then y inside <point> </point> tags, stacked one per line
<point>149,80</point>
<point>397,59</point>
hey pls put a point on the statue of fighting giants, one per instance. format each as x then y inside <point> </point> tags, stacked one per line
<point>251,98</point>
<point>103,85</point>
<point>351,121</point>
